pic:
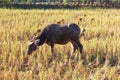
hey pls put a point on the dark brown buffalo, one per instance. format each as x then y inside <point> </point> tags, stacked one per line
<point>57,34</point>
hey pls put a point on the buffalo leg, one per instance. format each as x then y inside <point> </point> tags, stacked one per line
<point>52,49</point>
<point>74,48</point>
<point>80,46</point>
<point>81,49</point>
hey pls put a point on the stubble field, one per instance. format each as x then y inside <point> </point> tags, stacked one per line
<point>101,43</point>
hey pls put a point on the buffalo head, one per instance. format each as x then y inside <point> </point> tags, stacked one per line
<point>32,46</point>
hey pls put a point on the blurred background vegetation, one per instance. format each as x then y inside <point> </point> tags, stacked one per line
<point>59,1</point>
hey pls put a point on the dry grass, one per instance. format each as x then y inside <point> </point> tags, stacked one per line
<point>101,45</point>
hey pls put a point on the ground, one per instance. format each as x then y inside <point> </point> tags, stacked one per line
<point>101,42</point>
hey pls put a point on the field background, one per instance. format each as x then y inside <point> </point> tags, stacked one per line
<point>101,43</point>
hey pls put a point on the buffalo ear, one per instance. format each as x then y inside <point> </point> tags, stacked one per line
<point>37,41</point>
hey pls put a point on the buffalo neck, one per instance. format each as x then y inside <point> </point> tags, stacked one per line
<point>42,38</point>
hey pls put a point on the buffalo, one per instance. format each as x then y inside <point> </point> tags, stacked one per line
<point>57,34</point>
